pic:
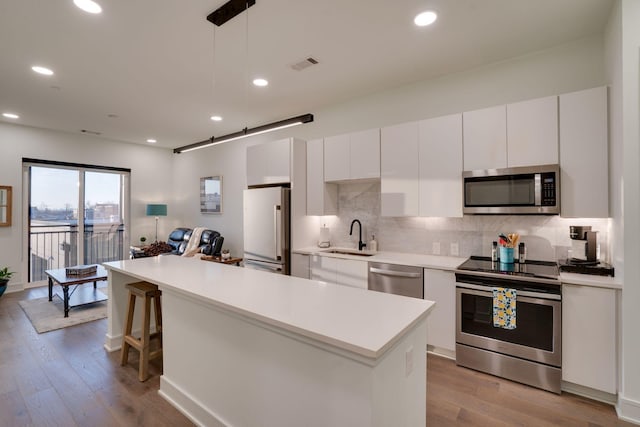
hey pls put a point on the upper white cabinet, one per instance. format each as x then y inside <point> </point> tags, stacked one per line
<point>399,170</point>
<point>336,158</point>
<point>583,154</point>
<point>519,134</point>
<point>532,132</point>
<point>485,138</point>
<point>322,198</point>
<point>589,340</point>
<point>269,163</point>
<point>440,154</point>
<point>352,156</point>
<point>440,286</point>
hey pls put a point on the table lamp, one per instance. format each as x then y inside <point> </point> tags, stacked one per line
<point>156,210</point>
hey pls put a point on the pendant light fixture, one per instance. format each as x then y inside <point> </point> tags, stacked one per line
<point>218,17</point>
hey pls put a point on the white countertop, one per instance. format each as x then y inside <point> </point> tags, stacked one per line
<point>417,260</point>
<point>590,280</point>
<point>364,322</point>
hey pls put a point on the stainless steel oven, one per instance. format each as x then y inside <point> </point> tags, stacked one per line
<point>532,352</point>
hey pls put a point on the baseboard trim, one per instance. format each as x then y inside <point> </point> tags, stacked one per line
<point>590,393</point>
<point>16,287</point>
<point>188,406</point>
<point>628,410</point>
<point>449,354</point>
<point>114,342</point>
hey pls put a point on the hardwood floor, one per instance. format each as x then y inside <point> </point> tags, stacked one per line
<point>66,378</point>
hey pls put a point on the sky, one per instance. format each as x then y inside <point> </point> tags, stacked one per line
<point>57,188</point>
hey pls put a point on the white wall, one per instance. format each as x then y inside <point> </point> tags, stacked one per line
<point>623,70</point>
<point>574,66</point>
<point>151,176</point>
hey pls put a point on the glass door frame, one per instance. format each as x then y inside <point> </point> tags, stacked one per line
<point>125,203</point>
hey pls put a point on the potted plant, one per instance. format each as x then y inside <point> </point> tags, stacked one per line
<point>5,275</point>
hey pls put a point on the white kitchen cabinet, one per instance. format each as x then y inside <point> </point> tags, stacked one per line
<point>269,163</point>
<point>339,271</point>
<point>532,132</point>
<point>322,198</point>
<point>440,286</point>
<point>364,154</point>
<point>583,154</point>
<point>354,273</point>
<point>300,266</point>
<point>323,268</point>
<point>399,170</point>
<point>352,156</point>
<point>485,138</point>
<point>440,154</point>
<point>589,340</point>
<point>336,158</point>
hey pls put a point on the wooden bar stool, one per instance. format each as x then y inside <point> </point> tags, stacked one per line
<point>147,291</point>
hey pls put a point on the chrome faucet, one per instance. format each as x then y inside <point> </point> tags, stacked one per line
<point>360,243</point>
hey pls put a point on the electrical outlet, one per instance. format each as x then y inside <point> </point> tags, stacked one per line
<point>408,359</point>
<point>454,249</point>
<point>435,248</point>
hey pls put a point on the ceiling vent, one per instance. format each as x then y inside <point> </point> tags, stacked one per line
<point>90,132</point>
<point>305,63</point>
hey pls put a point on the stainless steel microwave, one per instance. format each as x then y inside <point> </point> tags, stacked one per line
<point>520,190</point>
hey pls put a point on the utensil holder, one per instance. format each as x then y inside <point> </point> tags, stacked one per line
<point>506,255</point>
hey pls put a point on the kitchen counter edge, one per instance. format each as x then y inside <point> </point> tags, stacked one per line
<point>436,262</point>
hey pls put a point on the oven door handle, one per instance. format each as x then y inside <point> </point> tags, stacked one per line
<point>489,289</point>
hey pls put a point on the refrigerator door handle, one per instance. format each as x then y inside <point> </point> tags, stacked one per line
<point>263,265</point>
<point>276,235</point>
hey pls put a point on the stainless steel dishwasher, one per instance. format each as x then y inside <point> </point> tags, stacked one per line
<point>396,279</point>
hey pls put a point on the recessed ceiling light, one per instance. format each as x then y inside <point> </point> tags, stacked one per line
<point>216,118</point>
<point>42,70</point>
<point>151,141</point>
<point>260,82</point>
<point>88,6</point>
<point>11,116</point>
<point>425,18</point>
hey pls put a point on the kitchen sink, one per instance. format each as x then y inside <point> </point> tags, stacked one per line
<point>348,252</point>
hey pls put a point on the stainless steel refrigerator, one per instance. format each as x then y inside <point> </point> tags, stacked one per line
<point>267,229</point>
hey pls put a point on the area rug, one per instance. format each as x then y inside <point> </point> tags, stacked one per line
<point>48,315</point>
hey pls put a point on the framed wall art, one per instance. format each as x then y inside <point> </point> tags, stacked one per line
<point>211,195</point>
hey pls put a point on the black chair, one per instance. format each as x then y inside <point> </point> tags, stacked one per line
<point>176,238</point>
<point>210,242</point>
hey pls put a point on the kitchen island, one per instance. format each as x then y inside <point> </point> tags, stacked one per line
<point>244,347</point>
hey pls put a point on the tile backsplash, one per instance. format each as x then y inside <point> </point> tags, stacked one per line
<point>545,236</point>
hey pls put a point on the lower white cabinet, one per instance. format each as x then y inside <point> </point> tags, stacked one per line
<point>589,356</point>
<point>300,266</point>
<point>339,271</point>
<point>440,286</point>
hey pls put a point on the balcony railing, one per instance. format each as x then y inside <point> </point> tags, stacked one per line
<point>56,246</point>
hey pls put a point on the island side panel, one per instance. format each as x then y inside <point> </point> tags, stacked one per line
<point>221,368</point>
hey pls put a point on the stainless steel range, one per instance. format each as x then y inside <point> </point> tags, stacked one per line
<point>531,352</point>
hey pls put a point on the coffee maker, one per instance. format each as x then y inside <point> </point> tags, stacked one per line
<point>583,245</point>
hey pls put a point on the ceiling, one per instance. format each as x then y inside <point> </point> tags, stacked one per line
<point>158,69</point>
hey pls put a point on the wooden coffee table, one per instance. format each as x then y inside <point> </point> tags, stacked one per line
<point>78,295</point>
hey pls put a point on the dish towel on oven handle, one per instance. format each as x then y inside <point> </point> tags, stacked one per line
<point>504,308</point>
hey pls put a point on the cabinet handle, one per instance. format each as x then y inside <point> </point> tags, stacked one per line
<point>394,273</point>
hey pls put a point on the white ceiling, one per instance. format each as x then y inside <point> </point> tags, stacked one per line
<point>164,70</point>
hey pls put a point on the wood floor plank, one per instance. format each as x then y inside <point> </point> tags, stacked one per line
<point>13,409</point>
<point>47,409</point>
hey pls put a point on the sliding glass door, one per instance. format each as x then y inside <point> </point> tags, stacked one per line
<point>77,215</point>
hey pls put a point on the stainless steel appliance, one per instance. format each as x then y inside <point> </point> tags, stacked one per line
<point>520,190</point>
<point>267,229</point>
<point>396,279</point>
<point>532,352</point>
<point>583,244</point>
